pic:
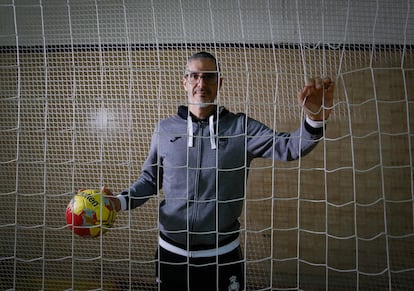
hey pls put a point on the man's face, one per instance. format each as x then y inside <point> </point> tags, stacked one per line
<point>201,82</point>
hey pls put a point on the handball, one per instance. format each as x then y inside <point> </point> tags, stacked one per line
<point>89,213</point>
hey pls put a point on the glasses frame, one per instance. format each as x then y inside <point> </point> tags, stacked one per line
<point>209,77</point>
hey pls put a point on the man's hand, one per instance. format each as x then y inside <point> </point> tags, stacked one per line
<point>109,195</point>
<point>317,98</point>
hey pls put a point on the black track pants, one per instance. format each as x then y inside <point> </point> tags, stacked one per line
<point>174,273</point>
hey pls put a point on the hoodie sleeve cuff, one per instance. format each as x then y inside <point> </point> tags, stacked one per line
<point>314,123</point>
<point>123,201</point>
<point>314,127</point>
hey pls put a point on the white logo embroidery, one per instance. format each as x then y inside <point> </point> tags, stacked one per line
<point>234,285</point>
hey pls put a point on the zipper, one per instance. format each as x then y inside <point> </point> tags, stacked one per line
<point>199,144</point>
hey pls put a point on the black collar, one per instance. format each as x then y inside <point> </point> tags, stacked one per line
<point>183,113</point>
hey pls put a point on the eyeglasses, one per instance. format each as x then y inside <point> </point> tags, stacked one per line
<point>209,77</point>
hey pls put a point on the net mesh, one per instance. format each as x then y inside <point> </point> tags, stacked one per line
<point>83,83</point>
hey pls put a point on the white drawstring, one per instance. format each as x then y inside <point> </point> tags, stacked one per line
<point>211,127</point>
<point>190,142</point>
<point>190,131</point>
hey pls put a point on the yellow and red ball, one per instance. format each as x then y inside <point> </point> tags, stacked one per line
<point>89,213</point>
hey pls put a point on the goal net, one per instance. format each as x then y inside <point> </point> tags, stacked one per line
<point>83,83</point>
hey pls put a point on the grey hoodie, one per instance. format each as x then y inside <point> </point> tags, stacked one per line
<point>202,167</point>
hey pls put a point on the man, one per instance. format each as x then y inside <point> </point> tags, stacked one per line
<point>200,158</point>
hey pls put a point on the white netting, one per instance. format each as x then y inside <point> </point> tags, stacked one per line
<point>83,83</point>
